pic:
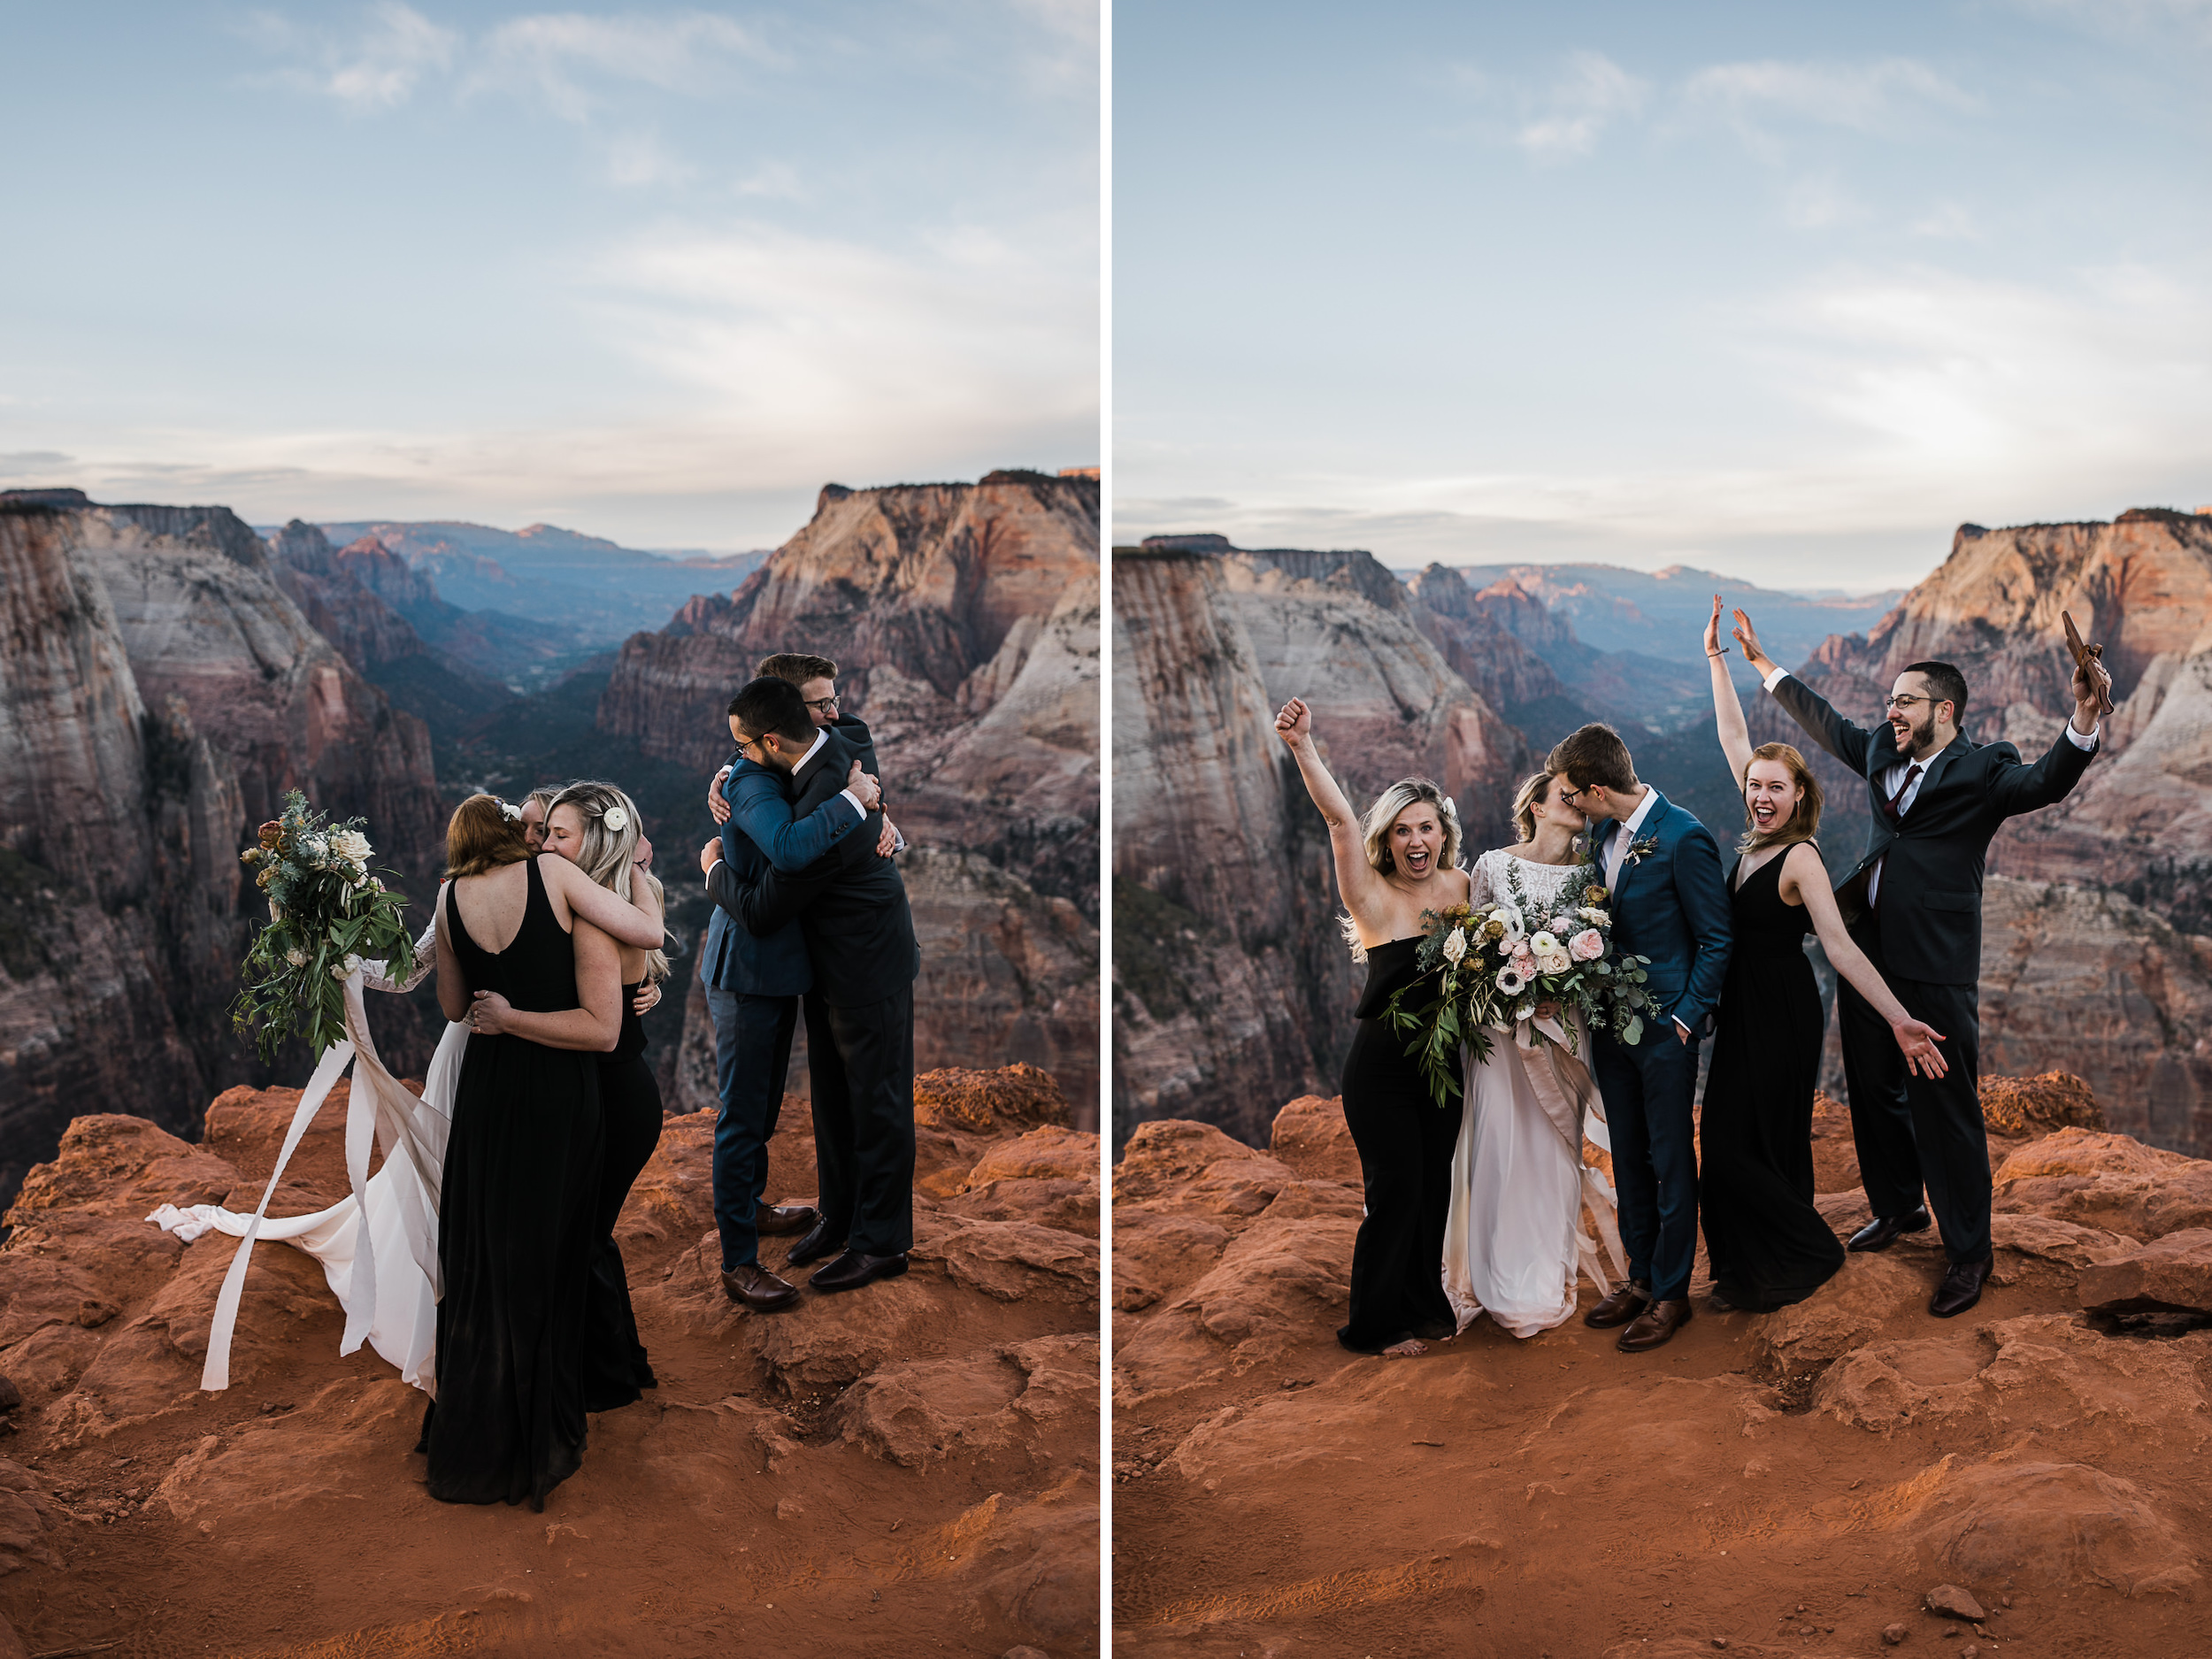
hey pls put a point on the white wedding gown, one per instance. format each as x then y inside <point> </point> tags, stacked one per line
<point>390,1289</point>
<point>1515,1238</point>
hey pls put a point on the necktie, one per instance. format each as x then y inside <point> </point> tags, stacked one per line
<point>1896,814</point>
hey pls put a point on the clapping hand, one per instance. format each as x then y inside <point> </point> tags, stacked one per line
<point>716,805</point>
<point>1918,1039</point>
<point>1713,646</point>
<point>1294,724</point>
<point>1748,638</point>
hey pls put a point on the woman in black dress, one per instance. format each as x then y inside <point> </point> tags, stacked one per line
<point>523,962</point>
<point>1403,860</point>
<point>1765,1243</point>
<point>595,827</point>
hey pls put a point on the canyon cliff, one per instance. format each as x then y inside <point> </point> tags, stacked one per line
<point>2113,886</point>
<point>963,619</point>
<point>920,1455</point>
<point>1230,979</point>
<point>158,693</point>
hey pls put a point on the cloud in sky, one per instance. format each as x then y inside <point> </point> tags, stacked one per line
<point>1593,93</point>
<point>659,274</point>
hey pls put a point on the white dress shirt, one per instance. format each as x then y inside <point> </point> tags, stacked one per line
<point>1617,847</point>
<point>1894,774</point>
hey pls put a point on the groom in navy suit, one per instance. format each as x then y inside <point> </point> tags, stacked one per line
<point>1669,903</point>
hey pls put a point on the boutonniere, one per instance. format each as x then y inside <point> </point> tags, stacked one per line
<point>1638,849</point>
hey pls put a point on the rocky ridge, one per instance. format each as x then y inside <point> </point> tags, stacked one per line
<point>963,619</point>
<point>2136,832</point>
<point>1803,1481</point>
<point>159,692</point>
<point>1229,978</point>
<point>920,1454</point>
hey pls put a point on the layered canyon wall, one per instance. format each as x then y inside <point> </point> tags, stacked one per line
<point>158,694</point>
<point>1230,982</point>
<point>963,619</point>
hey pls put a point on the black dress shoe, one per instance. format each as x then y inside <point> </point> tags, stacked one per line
<point>1618,1307</point>
<point>814,1246</point>
<point>754,1287</point>
<point>772,1221</point>
<point>1962,1287</point>
<point>854,1268</point>
<point>1882,1232</point>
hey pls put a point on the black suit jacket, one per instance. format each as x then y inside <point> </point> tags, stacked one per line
<point>1929,923</point>
<point>849,903</point>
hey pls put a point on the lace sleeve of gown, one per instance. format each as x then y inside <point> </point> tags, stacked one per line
<point>373,975</point>
<point>1481,889</point>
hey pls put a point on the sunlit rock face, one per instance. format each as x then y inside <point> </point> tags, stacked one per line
<point>963,619</point>
<point>158,693</point>
<point>1232,988</point>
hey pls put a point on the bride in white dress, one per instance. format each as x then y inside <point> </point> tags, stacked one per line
<point>1515,1238</point>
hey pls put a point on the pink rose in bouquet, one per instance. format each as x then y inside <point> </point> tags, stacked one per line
<point>1586,946</point>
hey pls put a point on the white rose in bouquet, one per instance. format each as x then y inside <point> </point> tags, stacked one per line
<point>350,844</point>
<point>1456,947</point>
<point>1596,917</point>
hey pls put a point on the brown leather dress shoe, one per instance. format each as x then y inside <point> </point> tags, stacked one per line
<point>772,1221</point>
<point>1961,1289</point>
<point>1655,1327</point>
<point>754,1287</point>
<point>855,1268</point>
<point>1619,1308</point>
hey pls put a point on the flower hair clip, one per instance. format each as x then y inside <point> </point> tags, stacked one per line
<point>510,811</point>
<point>615,818</point>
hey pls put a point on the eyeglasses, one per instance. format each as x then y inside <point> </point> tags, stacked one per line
<point>1907,700</point>
<point>1568,795</point>
<point>744,743</point>
<point>823,706</point>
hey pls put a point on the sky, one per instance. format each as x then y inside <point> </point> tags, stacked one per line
<point>654,274</point>
<point>1788,291</point>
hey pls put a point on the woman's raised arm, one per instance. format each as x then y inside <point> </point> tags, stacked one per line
<point>630,922</point>
<point>1355,879</point>
<point>1735,736</point>
<point>1802,872</point>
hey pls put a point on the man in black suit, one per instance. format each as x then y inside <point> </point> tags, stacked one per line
<point>1913,905</point>
<point>851,908</point>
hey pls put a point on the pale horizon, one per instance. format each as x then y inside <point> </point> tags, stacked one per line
<point>1786,294</point>
<point>615,271</point>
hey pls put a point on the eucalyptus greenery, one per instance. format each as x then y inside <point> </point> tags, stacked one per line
<point>328,915</point>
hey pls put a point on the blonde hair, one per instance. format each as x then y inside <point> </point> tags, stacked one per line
<point>1803,822</point>
<point>608,855</point>
<point>1534,788</point>
<point>1375,838</point>
<point>480,836</point>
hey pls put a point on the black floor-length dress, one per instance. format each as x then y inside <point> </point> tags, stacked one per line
<point>1766,1244</point>
<point>1405,1142</point>
<point>616,1368</point>
<point>516,1233</point>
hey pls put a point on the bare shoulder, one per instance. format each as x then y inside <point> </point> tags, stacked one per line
<point>1802,863</point>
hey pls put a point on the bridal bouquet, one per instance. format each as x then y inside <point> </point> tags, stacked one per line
<point>327,914</point>
<point>1496,964</point>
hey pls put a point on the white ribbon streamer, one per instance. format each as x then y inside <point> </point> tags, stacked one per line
<point>399,1204</point>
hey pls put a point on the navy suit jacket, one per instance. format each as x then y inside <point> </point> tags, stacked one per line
<point>1672,904</point>
<point>762,834</point>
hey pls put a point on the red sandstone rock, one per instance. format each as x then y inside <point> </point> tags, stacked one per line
<point>2171,1272</point>
<point>2106,1181</point>
<point>937,1432</point>
<point>1311,1138</point>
